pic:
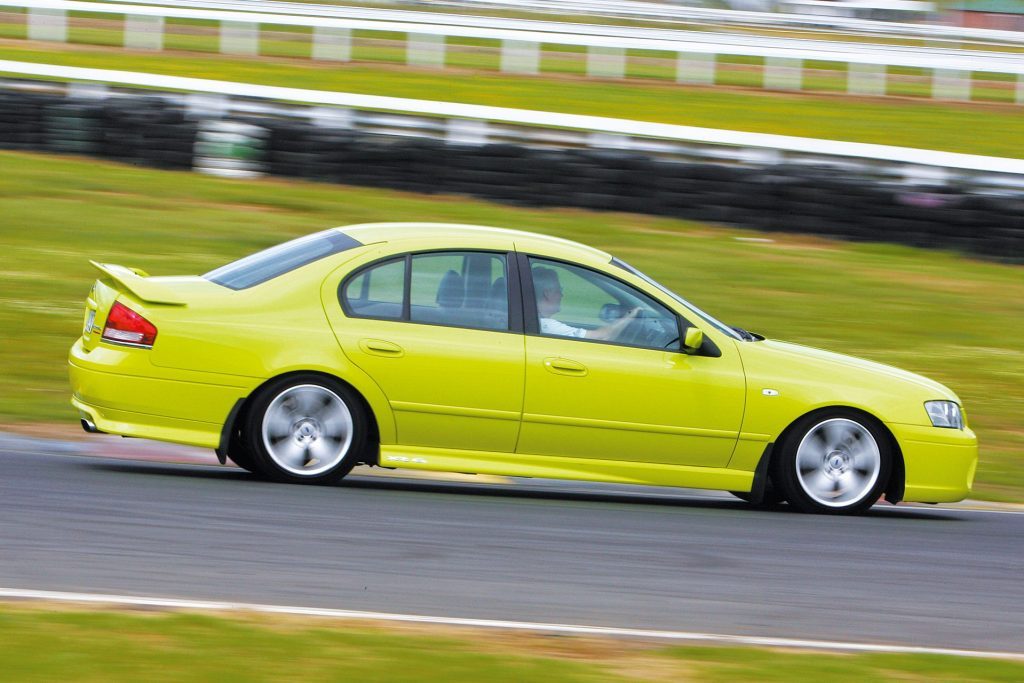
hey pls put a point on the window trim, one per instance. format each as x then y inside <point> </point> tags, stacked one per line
<point>343,285</point>
<point>512,285</point>
<point>532,317</point>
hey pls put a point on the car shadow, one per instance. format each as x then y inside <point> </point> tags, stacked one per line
<point>569,491</point>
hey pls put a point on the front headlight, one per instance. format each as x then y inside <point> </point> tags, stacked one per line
<point>944,414</point>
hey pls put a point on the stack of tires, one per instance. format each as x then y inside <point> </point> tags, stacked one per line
<point>74,126</point>
<point>147,130</point>
<point>22,119</point>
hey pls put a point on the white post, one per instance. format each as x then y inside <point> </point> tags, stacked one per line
<point>207,105</point>
<point>47,24</point>
<point>520,57</point>
<point>606,62</point>
<point>425,49</point>
<point>332,117</point>
<point>143,32</point>
<point>239,38</point>
<point>695,69</point>
<point>90,91</point>
<point>951,84</point>
<point>331,43</point>
<point>866,79</point>
<point>467,131</point>
<point>609,141</point>
<point>782,73</point>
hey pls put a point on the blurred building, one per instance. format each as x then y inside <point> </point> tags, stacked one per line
<point>1007,15</point>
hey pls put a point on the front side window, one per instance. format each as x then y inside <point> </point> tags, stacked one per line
<point>270,263</point>
<point>580,303</point>
<point>452,288</point>
<point>718,325</point>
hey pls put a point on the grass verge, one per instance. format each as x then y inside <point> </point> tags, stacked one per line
<point>968,128</point>
<point>942,315</point>
<point>41,645</point>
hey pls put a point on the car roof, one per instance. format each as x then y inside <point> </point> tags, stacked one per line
<point>449,234</point>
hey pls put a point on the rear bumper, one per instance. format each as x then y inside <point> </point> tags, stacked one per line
<point>939,463</point>
<point>114,388</point>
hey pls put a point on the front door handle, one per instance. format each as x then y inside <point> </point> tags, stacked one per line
<point>380,347</point>
<point>564,366</point>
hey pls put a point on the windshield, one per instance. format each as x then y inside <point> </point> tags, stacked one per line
<point>275,261</point>
<point>718,325</point>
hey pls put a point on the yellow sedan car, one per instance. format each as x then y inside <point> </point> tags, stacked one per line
<point>474,349</point>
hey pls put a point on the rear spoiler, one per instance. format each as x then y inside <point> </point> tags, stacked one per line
<point>137,283</point>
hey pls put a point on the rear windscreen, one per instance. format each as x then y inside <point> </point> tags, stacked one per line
<point>269,263</point>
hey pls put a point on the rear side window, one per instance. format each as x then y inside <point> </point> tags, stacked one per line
<point>270,263</point>
<point>451,288</point>
<point>378,292</point>
<point>459,289</point>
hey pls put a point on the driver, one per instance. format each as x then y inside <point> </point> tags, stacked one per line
<point>549,302</point>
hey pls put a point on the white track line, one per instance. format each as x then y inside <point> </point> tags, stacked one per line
<point>204,605</point>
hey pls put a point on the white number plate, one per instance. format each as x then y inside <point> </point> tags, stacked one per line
<point>88,322</point>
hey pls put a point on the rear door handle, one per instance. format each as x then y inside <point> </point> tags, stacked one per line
<point>380,347</point>
<point>564,366</point>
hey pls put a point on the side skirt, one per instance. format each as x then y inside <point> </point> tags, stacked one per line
<point>551,467</point>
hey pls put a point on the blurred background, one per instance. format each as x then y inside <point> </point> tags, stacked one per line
<point>842,174</point>
<point>839,173</point>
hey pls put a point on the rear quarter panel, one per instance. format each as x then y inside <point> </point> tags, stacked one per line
<point>259,333</point>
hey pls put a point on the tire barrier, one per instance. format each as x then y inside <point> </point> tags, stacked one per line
<point>159,131</point>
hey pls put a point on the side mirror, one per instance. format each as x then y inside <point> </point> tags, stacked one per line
<point>693,340</point>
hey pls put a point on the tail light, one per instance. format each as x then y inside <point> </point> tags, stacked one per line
<point>125,326</point>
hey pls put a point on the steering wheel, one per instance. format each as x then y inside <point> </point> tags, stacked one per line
<point>635,332</point>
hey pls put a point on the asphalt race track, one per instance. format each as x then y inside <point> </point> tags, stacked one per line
<point>621,557</point>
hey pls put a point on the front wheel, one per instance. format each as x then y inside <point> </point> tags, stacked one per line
<point>834,463</point>
<point>771,497</point>
<point>306,429</point>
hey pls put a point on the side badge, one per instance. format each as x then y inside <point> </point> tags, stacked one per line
<point>769,392</point>
<point>402,458</point>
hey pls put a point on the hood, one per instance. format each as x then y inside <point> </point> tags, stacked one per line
<point>817,358</point>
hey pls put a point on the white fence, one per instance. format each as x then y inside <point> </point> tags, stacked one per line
<point>476,124</point>
<point>867,65</point>
<point>701,16</point>
<point>793,16</point>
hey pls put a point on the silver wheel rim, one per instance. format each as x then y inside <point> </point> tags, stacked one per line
<point>838,462</point>
<point>307,430</point>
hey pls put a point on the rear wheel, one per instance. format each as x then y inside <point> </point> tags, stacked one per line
<point>836,462</point>
<point>306,429</point>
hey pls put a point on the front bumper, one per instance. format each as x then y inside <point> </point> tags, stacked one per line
<point>939,463</point>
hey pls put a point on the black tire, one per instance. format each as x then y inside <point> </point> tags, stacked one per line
<point>305,429</point>
<point>241,456</point>
<point>771,497</point>
<point>833,462</point>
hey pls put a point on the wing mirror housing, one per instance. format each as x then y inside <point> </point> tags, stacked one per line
<point>693,340</point>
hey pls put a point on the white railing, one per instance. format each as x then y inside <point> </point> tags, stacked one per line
<point>716,17</point>
<point>520,52</point>
<point>665,13</point>
<point>477,124</point>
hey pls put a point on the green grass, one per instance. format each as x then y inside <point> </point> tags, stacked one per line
<point>37,645</point>
<point>949,317</point>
